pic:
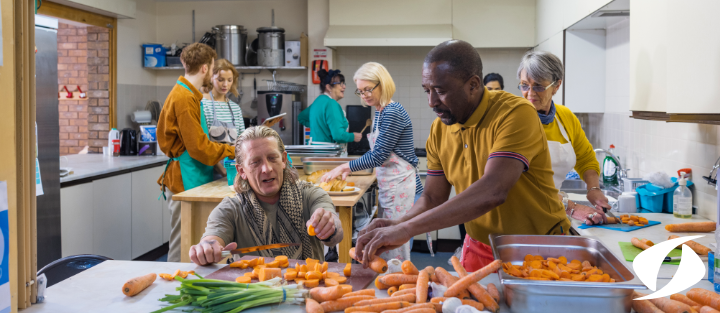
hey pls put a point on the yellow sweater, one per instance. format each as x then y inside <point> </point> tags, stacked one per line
<point>584,151</point>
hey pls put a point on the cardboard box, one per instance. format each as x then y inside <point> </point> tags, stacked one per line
<point>154,55</point>
<point>292,53</point>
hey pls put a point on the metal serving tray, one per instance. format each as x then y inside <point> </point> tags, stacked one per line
<point>314,164</point>
<point>530,296</point>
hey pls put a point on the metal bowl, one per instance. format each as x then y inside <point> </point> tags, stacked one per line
<point>530,296</point>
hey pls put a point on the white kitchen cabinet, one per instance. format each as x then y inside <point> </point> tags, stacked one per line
<point>112,217</point>
<point>147,211</point>
<point>585,71</point>
<point>76,219</point>
<point>649,46</point>
<point>693,50</point>
<point>494,24</point>
<point>554,16</point>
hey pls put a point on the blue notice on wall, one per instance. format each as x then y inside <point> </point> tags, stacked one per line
<point>5,249</point>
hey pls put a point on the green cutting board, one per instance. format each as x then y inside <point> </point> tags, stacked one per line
<point>630,252</point>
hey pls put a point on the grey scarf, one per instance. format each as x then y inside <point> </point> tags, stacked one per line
<point>290,225</point>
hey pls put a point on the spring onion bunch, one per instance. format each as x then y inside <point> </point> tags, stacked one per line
<point>219,296</point>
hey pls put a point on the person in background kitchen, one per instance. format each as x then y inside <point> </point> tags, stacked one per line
<point>224,117</point>
<point>182,133</point>
<point>392,150</point>
<point>493,81</point>
<point>325,117</point>
<point>272,205</point>
<point>489,146</point>
<point>541,74</point>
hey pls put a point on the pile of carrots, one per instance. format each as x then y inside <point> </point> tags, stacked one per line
<point>536,268</point>
<point>697,300</point>
<point>310,274</point>
<point>408,292</point>
<point>182,274</point>
<point>631,220</point>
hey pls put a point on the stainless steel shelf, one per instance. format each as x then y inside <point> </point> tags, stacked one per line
<point>237,67</point>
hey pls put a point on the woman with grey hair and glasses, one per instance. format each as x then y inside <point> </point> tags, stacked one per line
<point>541,75</point>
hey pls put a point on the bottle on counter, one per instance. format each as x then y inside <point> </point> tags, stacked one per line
<point>682,199</point>
<point>713,263</point>
<point>609,174</point>
<point>114,142</point>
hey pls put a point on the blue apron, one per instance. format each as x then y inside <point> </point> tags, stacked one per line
<point>193,173</point>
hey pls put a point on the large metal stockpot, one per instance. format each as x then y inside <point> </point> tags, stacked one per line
<point>271,46</point>
<point>231,43</point>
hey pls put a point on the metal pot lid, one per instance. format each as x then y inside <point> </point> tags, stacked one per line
<point>272,29</point>
<point>231,28</point>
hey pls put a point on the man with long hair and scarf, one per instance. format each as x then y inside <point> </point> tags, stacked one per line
<point>272,205</point>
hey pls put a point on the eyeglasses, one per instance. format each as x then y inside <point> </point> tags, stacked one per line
<point>368,93</point>
<point>337,83</point>
<point>525,88</point>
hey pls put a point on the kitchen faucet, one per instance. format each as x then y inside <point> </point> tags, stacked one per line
<point>622,173</point>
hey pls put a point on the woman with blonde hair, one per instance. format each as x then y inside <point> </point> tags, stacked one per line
<point>392,149</point>
<point>223,116</point>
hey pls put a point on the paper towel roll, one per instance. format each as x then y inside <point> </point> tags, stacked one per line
<point>141,117</point>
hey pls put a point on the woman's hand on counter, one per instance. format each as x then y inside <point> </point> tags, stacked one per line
<point>209,250</point>
<point>342,170</point>
<point>597,198</point>
<point>586,214</point>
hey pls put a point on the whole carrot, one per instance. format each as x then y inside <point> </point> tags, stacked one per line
<point>322,294</point>
<point>703,227</point>
<point>476,290</point>
<point>409,268</point>
<point>406,298</point>
<point>431,272</point>
<point>420,310</point>
<point>342,303</point>
<point>413,307</point>
<point>493,291</point>
<point>644,306</point>
<point>398,279</point>
<point>668,305</point>
<point>700,249</point>
<point>312,306</point>
<point>707,309</point>
<point>392,290</point>
<point>379,307</point>
<point>704,297</point>
<point>407,286</point>
<point>476,276</point>
<point>682,298</point>
<point>639,243</point>
<point>404,292</point>
<point>376,264</point>
<point>379,284</point>
<point>421,291</point>
<point>364,292</point>
<point>477,305</point>
<point>138,284</point>
<point>447,280</point>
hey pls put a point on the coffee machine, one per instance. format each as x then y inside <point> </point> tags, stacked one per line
<point>271,103</point>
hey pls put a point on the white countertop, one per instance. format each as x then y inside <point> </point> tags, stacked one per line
<point>99,288</point>
<point>656,233</point>
<point>89,165</point>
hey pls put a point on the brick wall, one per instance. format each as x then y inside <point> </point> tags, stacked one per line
<point>98,61</point>
<point>72,71</point>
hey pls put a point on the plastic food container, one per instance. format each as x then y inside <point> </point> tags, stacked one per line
<point>535,296</point>
<point>231,170</point>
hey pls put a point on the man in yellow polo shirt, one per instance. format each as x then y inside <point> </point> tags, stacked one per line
<point>491,147</point>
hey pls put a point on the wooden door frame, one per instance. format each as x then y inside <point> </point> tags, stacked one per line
<point>81,16</point>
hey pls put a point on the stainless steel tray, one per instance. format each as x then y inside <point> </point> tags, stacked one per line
<point>313,164</point>
<point>530,296</point>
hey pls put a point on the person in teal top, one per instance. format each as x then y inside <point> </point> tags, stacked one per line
<point>325,117</point>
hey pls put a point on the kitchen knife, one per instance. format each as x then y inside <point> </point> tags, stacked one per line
<point>226,254</point>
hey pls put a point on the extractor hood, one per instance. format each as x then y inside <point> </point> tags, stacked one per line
<point>387,35</point>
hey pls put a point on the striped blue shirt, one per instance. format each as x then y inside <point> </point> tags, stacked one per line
<point>395,135</point>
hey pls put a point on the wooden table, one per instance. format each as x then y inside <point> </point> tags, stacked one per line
<point>197,203</point>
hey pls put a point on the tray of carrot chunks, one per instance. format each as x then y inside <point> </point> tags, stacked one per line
<point>563,274</point>
<point>409,291</point>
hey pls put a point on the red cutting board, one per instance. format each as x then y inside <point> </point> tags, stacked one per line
<point>359,279</point>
